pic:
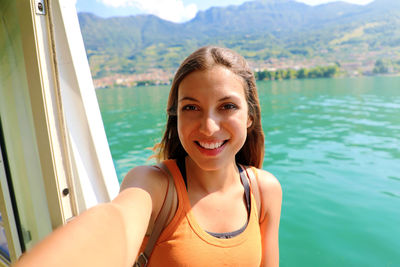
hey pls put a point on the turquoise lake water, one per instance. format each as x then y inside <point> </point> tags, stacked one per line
<point>334,145</point>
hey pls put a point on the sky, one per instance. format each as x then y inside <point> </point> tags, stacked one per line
<point>172,10</point>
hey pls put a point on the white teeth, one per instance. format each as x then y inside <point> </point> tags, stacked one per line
<point>210,145</point>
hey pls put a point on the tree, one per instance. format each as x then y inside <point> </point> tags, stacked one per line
<point>302,73</point>
<point>278,75</point>
<point>260,75</point>
<point>330,71</point>
<point>381,67</point>
<point>290,74</point>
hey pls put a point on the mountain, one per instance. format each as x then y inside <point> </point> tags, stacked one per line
<point>264,31</point>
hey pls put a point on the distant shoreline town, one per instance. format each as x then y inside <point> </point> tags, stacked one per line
<point>275,71</point>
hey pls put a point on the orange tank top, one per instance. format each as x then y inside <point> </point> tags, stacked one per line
<point>184,243</point>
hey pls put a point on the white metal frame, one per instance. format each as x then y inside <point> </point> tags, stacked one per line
<point>75,168</point>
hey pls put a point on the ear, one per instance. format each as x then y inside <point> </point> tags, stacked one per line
<point>249,122</point>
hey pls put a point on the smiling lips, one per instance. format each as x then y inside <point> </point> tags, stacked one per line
<point>211,148</point>
<point>209,145</point>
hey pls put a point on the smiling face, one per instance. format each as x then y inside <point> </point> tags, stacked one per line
<point>212,116</point>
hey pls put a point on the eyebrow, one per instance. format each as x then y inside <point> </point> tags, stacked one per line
<point>195,100</point>
<point>188,98</point>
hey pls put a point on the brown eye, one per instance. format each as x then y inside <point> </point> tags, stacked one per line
<point>189,108</point>
<point>229,106</point>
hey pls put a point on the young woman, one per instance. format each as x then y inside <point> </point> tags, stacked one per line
<point>213,134</point>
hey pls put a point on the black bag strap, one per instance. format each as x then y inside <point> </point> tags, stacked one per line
<point>161,219</point>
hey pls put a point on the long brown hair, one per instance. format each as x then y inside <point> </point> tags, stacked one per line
<point>252,152</point>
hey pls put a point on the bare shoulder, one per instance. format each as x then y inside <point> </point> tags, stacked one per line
<point>149,178</point>
<point>268,182</point>
<point>270,188</point>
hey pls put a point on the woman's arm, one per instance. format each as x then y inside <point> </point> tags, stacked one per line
<point>108,234</point>
<point>271,199</point>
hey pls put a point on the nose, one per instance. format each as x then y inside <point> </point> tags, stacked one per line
<point>209,124</point>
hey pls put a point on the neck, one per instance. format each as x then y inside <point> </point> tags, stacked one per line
<point>210,181</point>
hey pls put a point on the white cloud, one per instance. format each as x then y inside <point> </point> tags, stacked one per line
<point>172,10</point>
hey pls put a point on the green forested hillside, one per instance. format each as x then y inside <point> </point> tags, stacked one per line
<point>269,33</point>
